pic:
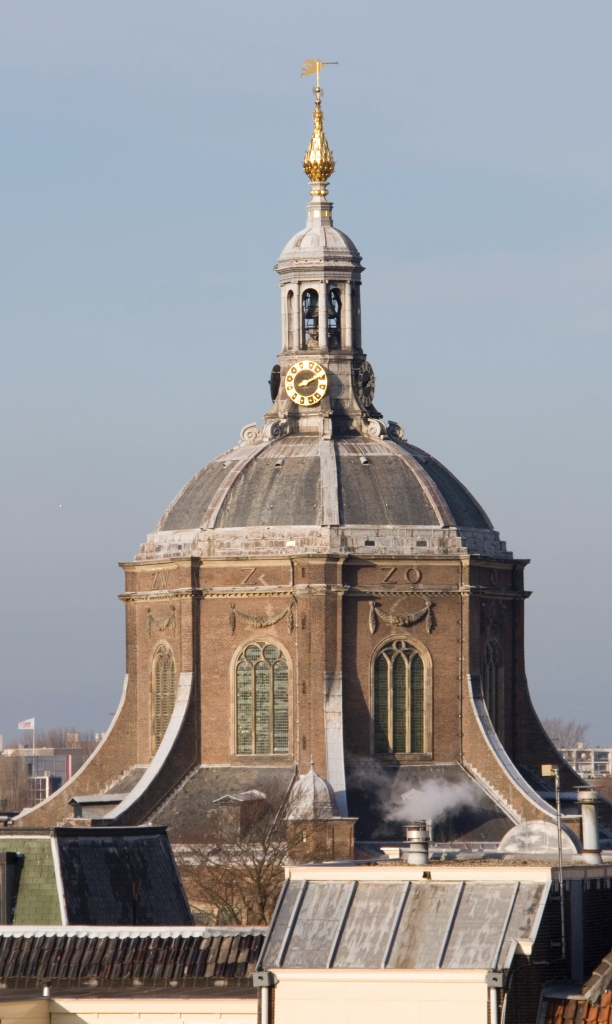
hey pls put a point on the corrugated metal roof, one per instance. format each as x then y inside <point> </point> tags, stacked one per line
<point>403,925</point>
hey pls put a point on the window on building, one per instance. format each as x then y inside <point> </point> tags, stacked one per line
<point>399,700</point>
<point>164,692</point>
<point>493,684</point>
<point>262,701</point>
<point>334,306</point>
<point>310,318</point>
<point>356,316</point>
<point>290,319</point>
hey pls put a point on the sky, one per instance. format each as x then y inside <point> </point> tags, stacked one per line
<point>150,174</point>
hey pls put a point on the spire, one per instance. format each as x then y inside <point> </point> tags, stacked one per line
<point>319,162</point>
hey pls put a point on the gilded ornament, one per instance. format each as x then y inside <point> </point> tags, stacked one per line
<point>319,161</point>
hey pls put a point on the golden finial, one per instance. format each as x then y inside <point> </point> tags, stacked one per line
<point>319,161</point>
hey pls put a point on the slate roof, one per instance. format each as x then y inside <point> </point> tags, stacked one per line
<point>419,925</point>
<point>37,895</point>
<point>185,814</point>
<point>91,959</point>
<point>120,876</point>
<point>129,780</point>
<point>375,486</point>
<point>372,789</point>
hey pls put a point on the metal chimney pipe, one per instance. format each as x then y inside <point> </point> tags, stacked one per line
<point>587,798</point>
<point>417,837</point>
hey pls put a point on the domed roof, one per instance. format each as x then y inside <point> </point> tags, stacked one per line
<point>311,799</point>
<point>287,482</point>
<point>316,241</point>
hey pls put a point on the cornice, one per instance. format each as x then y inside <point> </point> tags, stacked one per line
<point>320,588</point>
<point>402,591</point>
<point>494,595</point>
<point>304,589</point>
<point>239,592</point>
<point>160,595</point>
<point>148,566</point>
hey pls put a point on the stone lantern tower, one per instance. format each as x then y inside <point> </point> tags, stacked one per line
<point>324,593</point>
<point>320,276</point>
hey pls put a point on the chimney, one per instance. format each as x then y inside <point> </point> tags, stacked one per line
<point>417,837</point>
<point>587,798</point>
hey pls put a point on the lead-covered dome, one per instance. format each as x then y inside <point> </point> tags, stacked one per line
<point>293,481</point>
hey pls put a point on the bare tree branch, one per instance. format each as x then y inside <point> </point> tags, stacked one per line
<point>564,733</point>
<point>14,784</point>
<point>236,875</point>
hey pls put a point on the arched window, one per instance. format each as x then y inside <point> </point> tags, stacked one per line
<point>356,316</point>
<point>164,692</point>
<point>310,318</point>
<point>493,684</point>
<point>334,305</point>
<point>262,701</point>
<point>399,700</point>
<point>290,319</point>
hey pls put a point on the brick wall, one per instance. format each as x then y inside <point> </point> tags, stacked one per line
<point>193,605</point>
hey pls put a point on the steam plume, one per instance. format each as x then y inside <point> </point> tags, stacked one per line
<point>431,801</point>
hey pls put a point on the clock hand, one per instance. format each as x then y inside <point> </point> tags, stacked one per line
<point>304,383</point>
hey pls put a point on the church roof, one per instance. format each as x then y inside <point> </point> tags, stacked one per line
<point>316,242</point>
<point>379,482</point>
<point>312,798</point>
<point>189,808</point>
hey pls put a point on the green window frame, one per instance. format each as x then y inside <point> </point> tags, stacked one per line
<point>399,700</point>
<point>262,700</point>
<point>164,692</point>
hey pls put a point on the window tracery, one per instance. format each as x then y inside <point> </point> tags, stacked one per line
<point>262,700</point>
<point>164,692</point>
<point>399,700</point>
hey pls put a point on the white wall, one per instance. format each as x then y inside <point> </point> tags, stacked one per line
<point>225,1010</point>
<point>392,997</point>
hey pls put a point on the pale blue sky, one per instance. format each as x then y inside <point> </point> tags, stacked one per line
<point>150,174</point>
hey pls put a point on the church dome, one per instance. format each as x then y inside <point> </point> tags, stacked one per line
<point>315,241</point>
<point>282,484</point>
<point>325,473</point>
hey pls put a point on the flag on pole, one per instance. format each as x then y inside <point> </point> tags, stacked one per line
<point>28,723</point>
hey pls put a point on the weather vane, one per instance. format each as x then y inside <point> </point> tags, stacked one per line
<point>313,67</point>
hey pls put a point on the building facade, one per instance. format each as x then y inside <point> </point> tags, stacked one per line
<point>325,592</point>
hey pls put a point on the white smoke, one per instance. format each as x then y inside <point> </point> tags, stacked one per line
<point>431,801</point>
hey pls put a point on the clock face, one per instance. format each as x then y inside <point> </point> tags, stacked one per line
<point>366,382</point>
<point>306,382</point>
